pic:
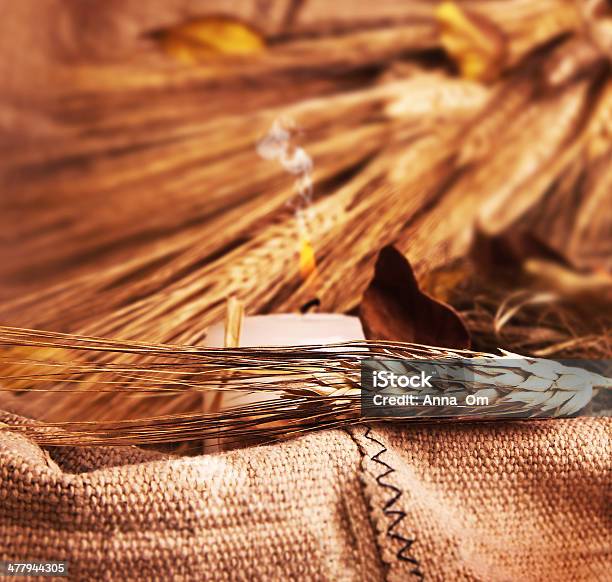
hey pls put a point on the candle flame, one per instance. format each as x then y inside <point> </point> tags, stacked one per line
<point>308,262</point>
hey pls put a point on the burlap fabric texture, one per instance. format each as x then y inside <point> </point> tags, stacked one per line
<point>492,502</point>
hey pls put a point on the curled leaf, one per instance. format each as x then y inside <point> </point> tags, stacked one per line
<point>206,37</point>
<point>475,43</point>
<point>394,308</point>
<point>544,274</point>
<point>506,252</point>
<point>520,256</point>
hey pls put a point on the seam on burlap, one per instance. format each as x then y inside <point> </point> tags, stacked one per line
<point>395,516</point>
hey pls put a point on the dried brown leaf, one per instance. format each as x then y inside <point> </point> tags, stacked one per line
<point>394,308</point>
<point>523,258</point>
<point>506,253</point>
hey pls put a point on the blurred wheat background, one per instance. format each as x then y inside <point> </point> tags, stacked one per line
<point>474,135</point>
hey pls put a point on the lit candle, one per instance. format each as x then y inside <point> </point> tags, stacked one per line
<point>279,329</point>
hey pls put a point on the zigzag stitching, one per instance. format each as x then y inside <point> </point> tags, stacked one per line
<point>397,514</point>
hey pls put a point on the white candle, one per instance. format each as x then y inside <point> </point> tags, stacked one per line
<point>282,329</point>
<point>291,329</point>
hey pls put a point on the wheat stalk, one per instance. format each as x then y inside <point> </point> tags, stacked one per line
<point>319,386</point>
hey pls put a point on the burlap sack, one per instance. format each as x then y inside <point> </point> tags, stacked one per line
<point>521,501</point>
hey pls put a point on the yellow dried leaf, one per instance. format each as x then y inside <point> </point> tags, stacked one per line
<point>476,44</point>
<point>207,37</point>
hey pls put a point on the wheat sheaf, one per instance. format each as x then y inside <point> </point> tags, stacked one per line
<point>306,387</point>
